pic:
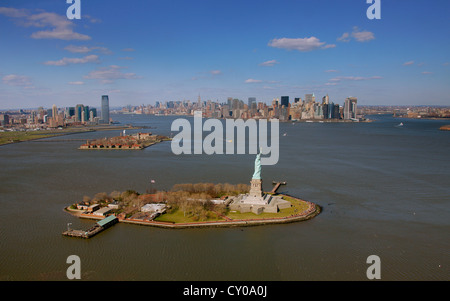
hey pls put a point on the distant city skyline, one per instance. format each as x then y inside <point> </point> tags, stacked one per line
<point>157,51</point>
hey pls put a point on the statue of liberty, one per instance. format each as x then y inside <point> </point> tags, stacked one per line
<point>257,173</point>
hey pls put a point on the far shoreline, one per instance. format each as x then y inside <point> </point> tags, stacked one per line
<point>44,134</point>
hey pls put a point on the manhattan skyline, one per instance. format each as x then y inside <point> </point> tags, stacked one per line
<point>168,51</point>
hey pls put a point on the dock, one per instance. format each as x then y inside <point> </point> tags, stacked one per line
<point>94,230</point>
<point>277,185</point>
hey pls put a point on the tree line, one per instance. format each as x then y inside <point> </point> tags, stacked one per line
<point>194,200</point>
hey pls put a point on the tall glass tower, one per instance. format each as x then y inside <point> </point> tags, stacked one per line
<point>105,109</point>
<point>285,101</point>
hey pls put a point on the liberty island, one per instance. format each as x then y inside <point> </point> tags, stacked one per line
<point>185,207</point>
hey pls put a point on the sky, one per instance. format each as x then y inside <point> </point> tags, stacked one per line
<point>140,52</point>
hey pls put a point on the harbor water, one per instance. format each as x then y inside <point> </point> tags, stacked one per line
<point>384,190</point>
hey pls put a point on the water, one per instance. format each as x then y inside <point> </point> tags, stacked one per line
<point>384,191</point>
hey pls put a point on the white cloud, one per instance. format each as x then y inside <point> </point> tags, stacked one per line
<point>16,80</point>
<point>360,36</point>
<point>77,49</point>
<point>356,78</point>
<point>345,37</point>
<point>300,44</point>
<point>207,75</point>
<point>85,49</point>
<point>408,63</point>
<point>76,83</point>
<point>331,70</point>
<point>92,19</point>
<point>427,72</point>
<point>329,46</point>
<point>13,12</point>
<point>110,74</point>
<point>253,81</point>
<point>67,61</point>
<point>57,26</point>
<point>59,34</point>
<point>269,63</point>
<point>335,80</point>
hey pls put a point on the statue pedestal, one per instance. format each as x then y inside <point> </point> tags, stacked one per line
<point>256,196</point>
<point>256,188</point>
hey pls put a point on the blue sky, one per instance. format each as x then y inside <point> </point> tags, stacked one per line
<point>140,52</point>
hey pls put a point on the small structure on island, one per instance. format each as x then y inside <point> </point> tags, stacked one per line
<point>256,200</point>
<point>154,208</point>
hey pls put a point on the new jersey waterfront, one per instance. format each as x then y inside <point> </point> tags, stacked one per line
<point>383,191</point>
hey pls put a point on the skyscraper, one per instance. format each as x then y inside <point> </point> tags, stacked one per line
<point>336,111</point>
<point>105,109</point>
<point>285,101</point>
<point>85,113</point>
<point>54,112</point>
<point>350,107</point>
<point>79,109</point>
<point>310,98</point>
<point>251,101</point>
<point>331,110</point>
<point>252,105</point>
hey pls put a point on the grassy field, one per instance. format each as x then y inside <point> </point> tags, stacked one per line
<point>178,216</point>
<point>18,136</point>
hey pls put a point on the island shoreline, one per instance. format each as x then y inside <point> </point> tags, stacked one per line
<point>308,214</point>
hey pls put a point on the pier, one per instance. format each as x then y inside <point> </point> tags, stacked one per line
<point>94,230</point>
<point>277,185</point>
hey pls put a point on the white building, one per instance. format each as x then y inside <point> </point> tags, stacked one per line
<point>102,211</point>
<point>158,208</point>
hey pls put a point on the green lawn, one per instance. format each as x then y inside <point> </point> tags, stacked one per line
<point>19,136</point>
<point>178,215</point>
